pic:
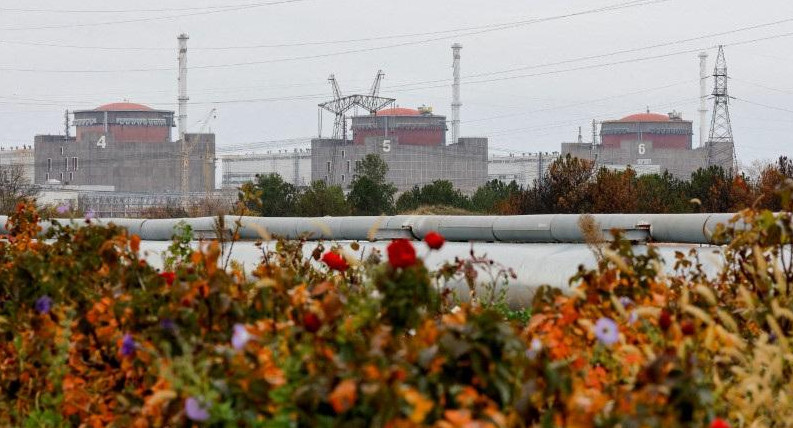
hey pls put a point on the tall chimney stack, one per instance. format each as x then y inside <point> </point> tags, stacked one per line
<point>456,93</point>
<point>703,97</point>
<point>183,98</point>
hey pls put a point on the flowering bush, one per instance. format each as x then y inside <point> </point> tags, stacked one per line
<point>94,336</point>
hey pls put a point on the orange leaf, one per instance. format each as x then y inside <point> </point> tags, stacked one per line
<point>134,243</point>
<point>344,396</point>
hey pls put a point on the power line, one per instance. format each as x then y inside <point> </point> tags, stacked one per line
<point>763,105</point>
<point>150,19</point>
<point>140,10</point>
<point>482,30</point>
<point>496,26</point>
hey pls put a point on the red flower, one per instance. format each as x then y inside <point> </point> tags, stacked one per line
<point>434,240</point>
<point>665,320</point>
<point>719,423</point>
<point>687,327</point>
<point>169,277</point>
<point>401,253</point>
<point>311,322</point>
<point>335,261</point>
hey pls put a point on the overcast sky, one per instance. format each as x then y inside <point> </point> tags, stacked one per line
<point>276,58</point>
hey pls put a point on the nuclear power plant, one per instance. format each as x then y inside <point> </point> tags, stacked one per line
<point>653,143</point>
<point>412,142</point>
<point>127,148</point>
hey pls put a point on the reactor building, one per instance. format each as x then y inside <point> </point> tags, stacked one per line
<point>650,143</point>
<point>128,147</point>
<point>655,143</point>
<point>413,144</point>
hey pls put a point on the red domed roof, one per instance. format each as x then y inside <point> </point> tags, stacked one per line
<point>399,111</point>
<point>124,107</point>
<point>646,117</point>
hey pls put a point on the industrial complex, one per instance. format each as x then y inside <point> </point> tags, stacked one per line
<point>125,157</point>
<point>127,146</point>
<point>654,143</point>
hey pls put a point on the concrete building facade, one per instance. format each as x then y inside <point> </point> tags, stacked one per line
<point>523,168</point>
<point>463,163</point>
<point>293,166</point>
<point>126,146</point>
<point>651,143</point>
<point>19,157</point>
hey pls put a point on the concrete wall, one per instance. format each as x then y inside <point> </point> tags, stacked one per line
<point>293,167</point>
<point>19,158</point>
<point>127,166</point>
<point>464,163</point>
<point>524,168</point>
<point>643,157</point>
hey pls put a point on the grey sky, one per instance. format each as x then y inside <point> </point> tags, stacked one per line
<point>531,109</point>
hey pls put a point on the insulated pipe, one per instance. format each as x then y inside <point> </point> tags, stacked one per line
<point>549,228</point>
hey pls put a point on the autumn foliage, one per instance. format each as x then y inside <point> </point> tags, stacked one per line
<point>94,336</point>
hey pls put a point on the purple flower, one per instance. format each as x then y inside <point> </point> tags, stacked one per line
<point>633,317</point>
<point>168,324</point>
<point>43,304</point>
<point>606,331</point>
<point>62,209</point>
<point>625,301</point>
<point>534,348</point>
<point>128,345</point>
<point>90,214</point>
<point>240,337</point>
<point>196,410</point>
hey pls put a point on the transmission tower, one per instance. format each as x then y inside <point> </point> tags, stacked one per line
<point>721,147</point>
<point>341,104</point>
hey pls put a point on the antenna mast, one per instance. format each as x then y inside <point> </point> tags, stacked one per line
<point>456,104</point>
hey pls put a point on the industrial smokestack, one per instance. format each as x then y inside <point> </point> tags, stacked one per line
<point>456,93</point>
<point>183,98</point>
<point>703,96</point>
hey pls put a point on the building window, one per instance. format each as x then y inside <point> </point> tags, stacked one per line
<point>342,178</point>
<point>49,165</point>
<point>328,166</point>
<point>47,177</point>
<point>74,164</point>
<point>65,164</point>
<point>61,177</point>
<point>343,153</point>
<point>71,176</point>
<point>348,167</point>
<point>62,150</point>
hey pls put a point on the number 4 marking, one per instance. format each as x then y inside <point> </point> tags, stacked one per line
<point>102,143</point>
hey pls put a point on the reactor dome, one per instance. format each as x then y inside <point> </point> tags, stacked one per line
<point>399,111</point>
<point>125,106</point>
<point>646,117</point>
<point>124,122</point>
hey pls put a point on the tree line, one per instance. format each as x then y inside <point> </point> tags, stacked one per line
<point>569,186</point>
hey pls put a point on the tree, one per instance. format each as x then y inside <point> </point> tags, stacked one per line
<point>439,192</point>
<point>711,186</point>
<point>321,200</point>
<point>370,193</point>
<point>493,197</point>
<point>269,196</point>
<point>565,186</point>
<point>14,188</point>
<point>613,191</point>
<point>660,193</point>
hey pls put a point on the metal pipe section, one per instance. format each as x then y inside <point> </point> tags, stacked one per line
<point>533,265</point>
<point>548,228</point>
